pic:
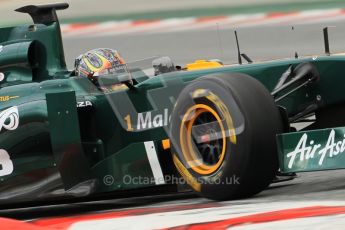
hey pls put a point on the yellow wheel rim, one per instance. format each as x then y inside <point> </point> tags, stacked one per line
<point>187,144</point>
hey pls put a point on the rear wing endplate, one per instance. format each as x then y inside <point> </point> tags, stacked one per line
<point>314,150</point>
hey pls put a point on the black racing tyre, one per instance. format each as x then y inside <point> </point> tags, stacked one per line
<point>223,134</point>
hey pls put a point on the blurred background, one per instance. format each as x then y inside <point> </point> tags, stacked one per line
<point>88,10</point>
<point>187,30</point>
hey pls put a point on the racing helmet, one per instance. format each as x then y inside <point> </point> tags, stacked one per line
<point>98,62</point>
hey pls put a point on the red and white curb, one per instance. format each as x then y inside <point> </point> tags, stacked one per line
<point>303,215</point>
<point>195,23</point>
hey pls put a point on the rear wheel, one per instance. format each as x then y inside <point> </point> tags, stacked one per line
<point>223,130</point>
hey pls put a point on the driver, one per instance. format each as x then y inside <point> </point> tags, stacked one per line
<point>99,62</point>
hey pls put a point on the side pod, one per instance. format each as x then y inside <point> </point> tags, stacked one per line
<point>65,138</point>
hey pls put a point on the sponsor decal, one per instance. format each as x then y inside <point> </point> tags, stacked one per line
<point>6,164</point>
<point>9,118</point>
<point>7,98</point>
<point>306,149</point>
<point>148,121</point>
<point>81,104</point>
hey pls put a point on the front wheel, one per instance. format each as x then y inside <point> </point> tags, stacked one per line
<point>223,130</point>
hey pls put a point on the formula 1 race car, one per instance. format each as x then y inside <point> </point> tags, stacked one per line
<point>224,130</point>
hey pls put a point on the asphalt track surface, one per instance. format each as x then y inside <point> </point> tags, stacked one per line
<point>260,43</point>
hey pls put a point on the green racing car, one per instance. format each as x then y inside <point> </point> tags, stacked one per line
<point>111,127</point>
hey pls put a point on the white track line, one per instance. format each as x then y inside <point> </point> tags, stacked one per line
<point>178,218</point>
<point>335,222</point>
<point>192,23</point>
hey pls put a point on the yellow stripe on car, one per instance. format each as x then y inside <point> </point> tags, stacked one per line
<point>203,64</point>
